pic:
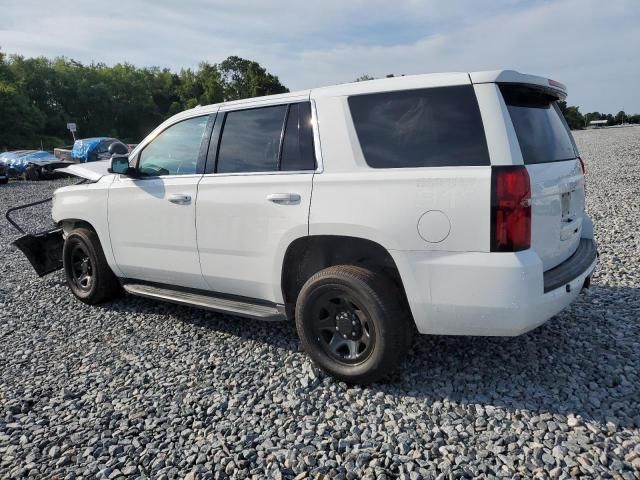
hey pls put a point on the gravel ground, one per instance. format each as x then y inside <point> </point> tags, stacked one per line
<point>144,389</point>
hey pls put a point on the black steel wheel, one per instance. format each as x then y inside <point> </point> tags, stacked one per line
<point>81,267</point>
<point>353,323</point>
<point>88,274</point>
<point>343,327</point>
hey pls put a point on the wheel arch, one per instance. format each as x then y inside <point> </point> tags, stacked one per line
<point>307,255</point>
<point>69,224</point>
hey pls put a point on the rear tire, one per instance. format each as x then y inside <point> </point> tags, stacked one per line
<point>88,274</point>
<point>4,181</point>
<point>353,323</point>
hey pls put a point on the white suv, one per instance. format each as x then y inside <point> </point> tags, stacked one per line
<point>447,203</point>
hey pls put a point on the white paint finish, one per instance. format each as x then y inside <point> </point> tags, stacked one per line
<point>88,203</point>
<point>453,283</point>
<point>92,171</point>
<point>471,293</point>
<point>281,99</point>
<point>338,138</point>
<point>385,205</point>
<point>511,76</point>
<point>154,239</point>
<point>434,226</point>
<point>408,82</point>
<point>553,237</point>
<point>243,236</point>
<point>502,141</point>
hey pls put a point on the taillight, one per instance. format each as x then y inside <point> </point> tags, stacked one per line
<point>582,166</point>
<point>510,209</point>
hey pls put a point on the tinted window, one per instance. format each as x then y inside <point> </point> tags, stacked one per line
<point>432,127</point>
<point>175,150</point>
<point>251,140</point>
<point>297,147</point>
<point>542,132</point>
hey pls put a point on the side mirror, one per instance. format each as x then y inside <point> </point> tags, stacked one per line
<point>120,164</point>
<point>118,148</point>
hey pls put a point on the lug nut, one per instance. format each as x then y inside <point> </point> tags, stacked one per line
<point>353,334</point>
<point>337,328</point>
<point>353,322</point>
<point>345,335</point>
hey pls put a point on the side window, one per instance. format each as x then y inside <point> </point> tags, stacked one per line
<point>250,140</point>
<point>174,151</point>
<point>297,147</point>
<point>431,127</point>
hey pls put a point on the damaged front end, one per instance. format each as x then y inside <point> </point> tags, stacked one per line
<point>42,249</point>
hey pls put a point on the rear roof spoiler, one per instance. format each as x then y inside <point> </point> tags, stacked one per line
<point>511,76</point>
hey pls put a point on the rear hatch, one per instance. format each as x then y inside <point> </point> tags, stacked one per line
<point>557,179</point>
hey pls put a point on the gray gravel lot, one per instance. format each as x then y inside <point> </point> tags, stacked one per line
<point>144,389</point>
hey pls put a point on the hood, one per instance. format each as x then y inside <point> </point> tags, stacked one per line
<point>93,171</point>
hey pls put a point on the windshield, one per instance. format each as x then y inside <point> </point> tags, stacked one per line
<point>542,132</point>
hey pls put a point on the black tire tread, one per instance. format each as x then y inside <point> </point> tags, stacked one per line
<point>107,286</point>
<point>389,299</point>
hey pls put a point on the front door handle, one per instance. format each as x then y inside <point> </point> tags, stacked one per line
<point>179,199</point>
<point>284,198</point>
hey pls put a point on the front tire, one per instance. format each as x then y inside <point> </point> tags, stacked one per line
<point>353,323</point>
<point>88,274</point>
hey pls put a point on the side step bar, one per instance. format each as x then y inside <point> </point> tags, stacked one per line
<point>209,302</point>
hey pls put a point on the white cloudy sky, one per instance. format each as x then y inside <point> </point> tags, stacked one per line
<point>591,45</point>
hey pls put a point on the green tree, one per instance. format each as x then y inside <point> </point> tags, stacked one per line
<point>572,115</point>
<point>621,117</point>
<point>39,96</point>
<point>244,79</point>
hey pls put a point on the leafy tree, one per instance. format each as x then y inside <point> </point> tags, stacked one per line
<point>39,96</point>
<point>572,115</point>
<point>19,118</point>
<point>620,117</point>
<point>364,78</point>
<point>245,78</point>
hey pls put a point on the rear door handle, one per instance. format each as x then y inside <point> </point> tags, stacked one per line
<point>179,199</point>
<point>284,198</point>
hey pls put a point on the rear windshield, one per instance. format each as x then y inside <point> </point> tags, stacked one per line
<point>432,127</point>
<point>540,127</point>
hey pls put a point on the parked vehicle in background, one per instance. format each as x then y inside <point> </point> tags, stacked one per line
<point>83,151</point>
<point>446,203</point>
<point>16,161</point>
<point>86,150</point>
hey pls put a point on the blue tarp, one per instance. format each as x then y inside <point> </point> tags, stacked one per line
<point>17,161</point>
<point>82,148</point>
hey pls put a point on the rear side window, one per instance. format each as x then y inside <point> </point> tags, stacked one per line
<point>251,140</point>
<point>297,147</point>
<point>433,127</point>
<point>267,139</point>
<point>542,132</point>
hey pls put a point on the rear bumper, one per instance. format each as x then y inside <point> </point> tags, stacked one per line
<point>495,294</point>
<point>571,268</point>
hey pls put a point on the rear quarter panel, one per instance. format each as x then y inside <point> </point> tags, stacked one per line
<point>386,205</point>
